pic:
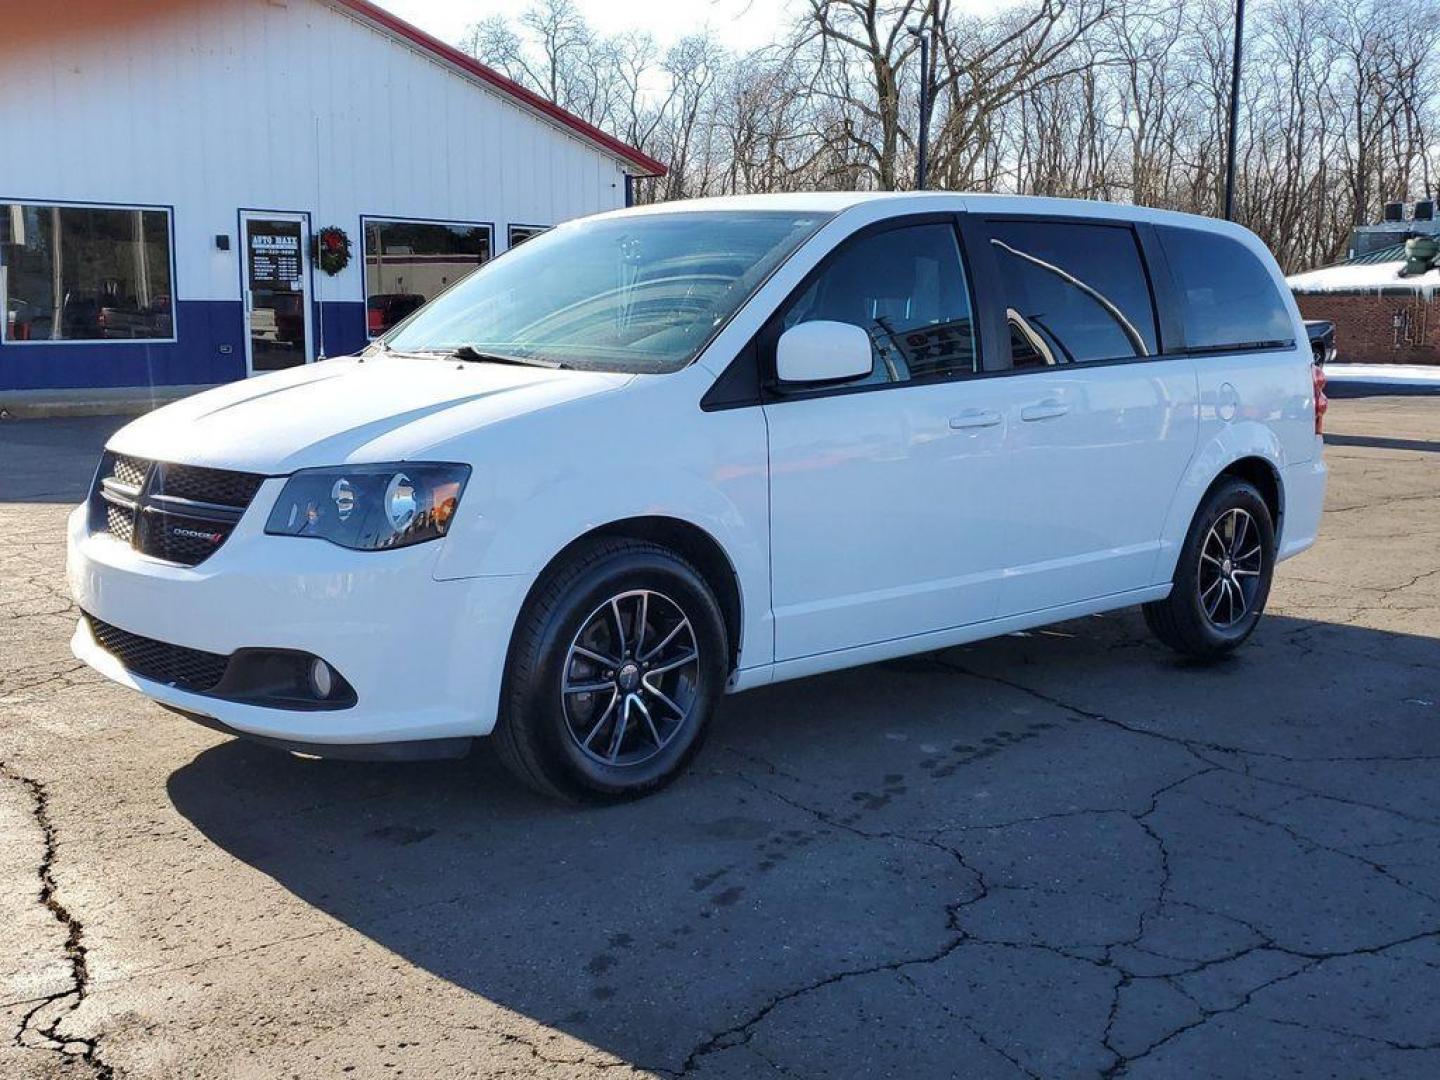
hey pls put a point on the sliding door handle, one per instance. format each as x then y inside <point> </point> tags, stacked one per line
<point>1044,410</point>
<point>975,418</point>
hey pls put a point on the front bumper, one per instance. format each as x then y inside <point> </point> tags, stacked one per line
<point>425,657</point>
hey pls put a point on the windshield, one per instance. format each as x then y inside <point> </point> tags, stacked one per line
<point>640,294</point>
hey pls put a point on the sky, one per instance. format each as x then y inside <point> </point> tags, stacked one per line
<point>740,24</point>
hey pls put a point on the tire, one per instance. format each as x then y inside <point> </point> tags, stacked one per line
<point>1220,588</point>
<point>563,742</point>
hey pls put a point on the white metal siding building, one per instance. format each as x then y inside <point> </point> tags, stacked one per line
<point>166,177</point>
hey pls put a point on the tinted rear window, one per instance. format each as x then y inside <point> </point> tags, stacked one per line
<point>1073,292</point>
<point>1229,299</point>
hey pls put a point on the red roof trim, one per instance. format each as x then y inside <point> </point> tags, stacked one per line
<point>451,55</point>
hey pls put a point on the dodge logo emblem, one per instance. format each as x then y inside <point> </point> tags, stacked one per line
<point>196,534</point>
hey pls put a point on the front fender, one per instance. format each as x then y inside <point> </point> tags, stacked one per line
<point>1242,439</point>
<point>645,451</point>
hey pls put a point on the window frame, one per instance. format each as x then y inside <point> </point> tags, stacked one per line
<point>749,379</point>
<point>761,348</point>
<point>511,226</point>
<point>169,212</point>
<point>366,219</point>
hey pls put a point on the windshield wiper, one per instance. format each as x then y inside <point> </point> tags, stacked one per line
<point>479,356</point>
<point>382,348</point>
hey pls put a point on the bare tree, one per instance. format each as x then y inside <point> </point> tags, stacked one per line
<point>1111,99</point>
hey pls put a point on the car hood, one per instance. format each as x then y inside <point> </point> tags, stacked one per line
<point>348,411</point>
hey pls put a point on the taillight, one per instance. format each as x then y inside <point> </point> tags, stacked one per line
<point>1317,377</point>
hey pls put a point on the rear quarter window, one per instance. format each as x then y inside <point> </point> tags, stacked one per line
<point>1228,297</point>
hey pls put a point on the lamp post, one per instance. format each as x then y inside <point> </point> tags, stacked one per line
<point>922,157</point>
<point>1234,113</point>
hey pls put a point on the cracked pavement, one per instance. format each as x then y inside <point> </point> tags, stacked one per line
<point>1060,854</point>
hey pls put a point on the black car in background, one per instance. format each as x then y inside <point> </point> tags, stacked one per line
<point>1322,340</point>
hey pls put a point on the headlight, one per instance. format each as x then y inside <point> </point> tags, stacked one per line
<point>370,507</point>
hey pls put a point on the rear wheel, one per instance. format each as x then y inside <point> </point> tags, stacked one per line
<point>1222,578</point>
<point>613,672</point>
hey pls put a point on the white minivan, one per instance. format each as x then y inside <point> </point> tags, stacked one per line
<point>661,454</point>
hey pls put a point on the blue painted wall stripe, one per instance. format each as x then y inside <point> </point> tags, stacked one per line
<point>203,328</point>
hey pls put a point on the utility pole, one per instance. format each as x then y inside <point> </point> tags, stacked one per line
<point>1234,113</point>
<point>920,161</point>
<point>922,143</point>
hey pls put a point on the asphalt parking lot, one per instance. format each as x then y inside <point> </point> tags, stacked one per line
<point>1060,854</point>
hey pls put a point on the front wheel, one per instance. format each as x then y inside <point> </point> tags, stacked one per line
<point>1222,578</point>
<point>615,667</point>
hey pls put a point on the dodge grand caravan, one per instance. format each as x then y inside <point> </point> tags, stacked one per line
<point>662,454</point>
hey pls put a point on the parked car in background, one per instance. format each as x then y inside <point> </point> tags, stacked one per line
<point>662,454</point>
<point>132,321</point>
<point>23,319</point>
<point>1321,334</point>
<point>384,310</point>
<point>289,309</point>
<point>85,318</point>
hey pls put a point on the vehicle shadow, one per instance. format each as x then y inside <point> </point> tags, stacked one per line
<point>647,929</point>
<point>1380,442</point>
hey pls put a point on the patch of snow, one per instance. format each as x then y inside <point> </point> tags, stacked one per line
<point>1391,374</point>
<point>1364,277</point>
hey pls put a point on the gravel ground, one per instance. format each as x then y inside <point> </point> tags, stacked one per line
<point>1065,853</point>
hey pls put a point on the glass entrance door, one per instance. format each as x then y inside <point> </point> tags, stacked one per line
<point>277,292</point>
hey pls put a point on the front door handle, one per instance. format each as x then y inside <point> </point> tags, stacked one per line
<point>1044,410</point>
<point>975,418</point>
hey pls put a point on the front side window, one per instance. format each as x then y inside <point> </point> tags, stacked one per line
<point>410,262</point>
<point>81,273</point>
<point>639,293</point>
<point>1072,292</point>
<point>906,289</point>
<point>1229,297</point>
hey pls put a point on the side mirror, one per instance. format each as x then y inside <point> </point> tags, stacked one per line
<point>821,352</point>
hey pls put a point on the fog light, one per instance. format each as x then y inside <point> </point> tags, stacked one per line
<point>322,679</point>
<point>284,679</point>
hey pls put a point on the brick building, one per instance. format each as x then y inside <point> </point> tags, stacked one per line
<point>1380,314</point>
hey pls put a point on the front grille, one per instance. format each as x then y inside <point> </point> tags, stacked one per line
<point>120,523</point>
<point>178,513</point>
<point>220,486</point>
<point>176,665</point>
<point>180,540</point>
<point>130,471</point>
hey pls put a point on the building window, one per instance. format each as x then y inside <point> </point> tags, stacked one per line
<point>85,273</point>
<point>520,233</point>
<point>410,262</point>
